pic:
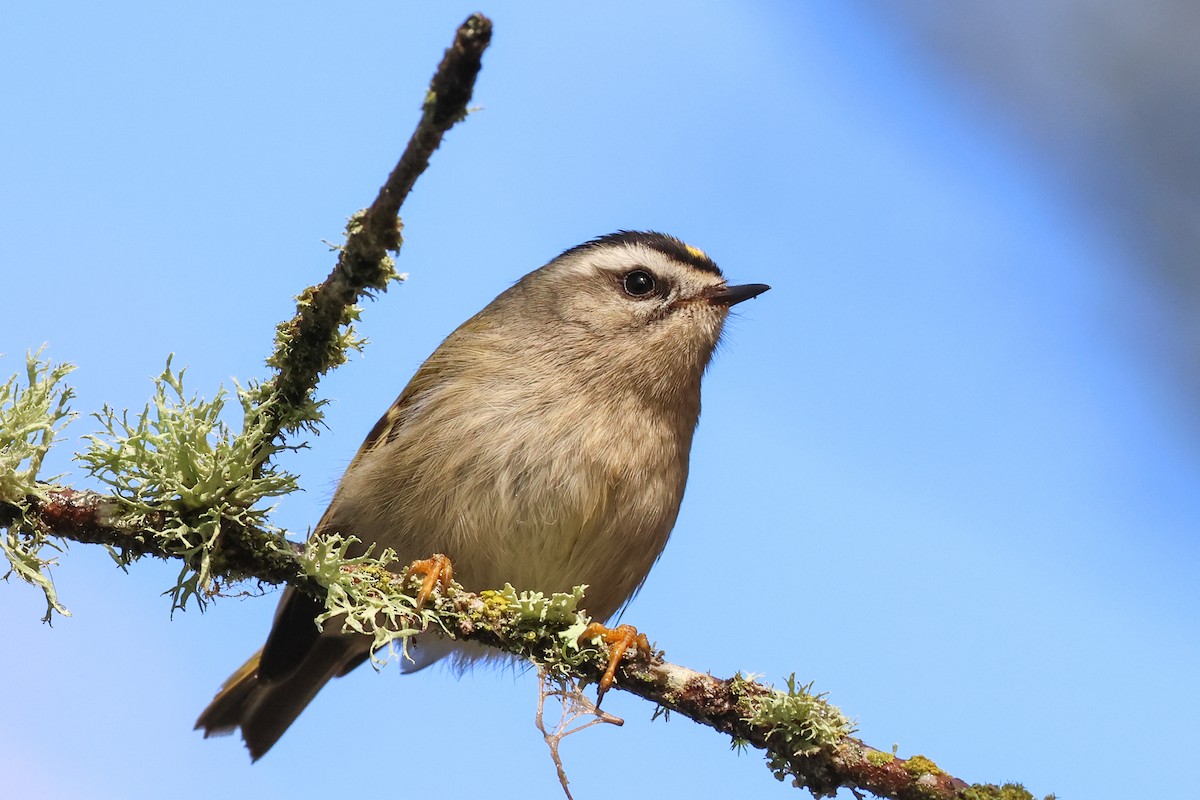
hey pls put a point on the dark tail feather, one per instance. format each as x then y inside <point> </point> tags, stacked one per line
<point>265,709</point>
<point>224,713</point>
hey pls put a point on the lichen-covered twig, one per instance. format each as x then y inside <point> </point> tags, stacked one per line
<point>246,552</point>
<point>177,471</point>
<point>317,338</point>
<point>805,738</point>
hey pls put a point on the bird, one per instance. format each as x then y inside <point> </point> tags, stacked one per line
<point>544,444</point>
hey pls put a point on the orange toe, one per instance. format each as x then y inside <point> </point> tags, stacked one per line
<point>619,640</point>
<point>438,571</point>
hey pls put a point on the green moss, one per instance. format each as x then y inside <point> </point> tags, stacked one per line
<point>989,791</point>
<point>879,758</point>
<point>920,765</point>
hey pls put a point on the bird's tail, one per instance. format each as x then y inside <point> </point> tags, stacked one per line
<point>263,708</point>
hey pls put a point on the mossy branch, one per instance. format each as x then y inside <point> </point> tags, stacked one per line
<point>318,337</point>
<point>176,469</point>
<point>806,739</point>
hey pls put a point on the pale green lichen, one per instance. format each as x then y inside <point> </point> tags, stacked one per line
<point>364,596</point>
<point>538,609</point>
<point>179,454</point>
<point>797,722</point>
<point>180,459</point>
<point>368,597</point>
<point>31,417</point>
<point>532,613</point>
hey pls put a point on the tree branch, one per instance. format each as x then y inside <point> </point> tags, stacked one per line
<point>738,706</point>
<point>445,104</point>
<point>310,343</point>
<point>245,552</point>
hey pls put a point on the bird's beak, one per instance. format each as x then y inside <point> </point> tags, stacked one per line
<point>732,295</point>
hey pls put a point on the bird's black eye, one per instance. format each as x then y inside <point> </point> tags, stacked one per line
<point>639,283</point>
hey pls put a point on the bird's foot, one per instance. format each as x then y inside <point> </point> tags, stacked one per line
<point>619,640</point>
<point>438,571</point>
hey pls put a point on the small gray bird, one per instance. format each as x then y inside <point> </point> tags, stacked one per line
<point>544,444</point>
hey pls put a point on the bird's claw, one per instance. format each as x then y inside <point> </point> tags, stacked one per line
<point>619,640</point>
<point>438,571</point>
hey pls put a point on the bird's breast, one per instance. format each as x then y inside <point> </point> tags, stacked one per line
<point>542,495</point>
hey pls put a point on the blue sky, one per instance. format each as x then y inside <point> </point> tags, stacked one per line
<point>938,472</point>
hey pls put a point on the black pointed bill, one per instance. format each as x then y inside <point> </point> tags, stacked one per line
<point>732,295</point>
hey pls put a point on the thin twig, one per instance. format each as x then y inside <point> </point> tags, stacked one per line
<point>445,104</point>
<point>89,517</point>
<point>574,705</point>
<point>307,346</point>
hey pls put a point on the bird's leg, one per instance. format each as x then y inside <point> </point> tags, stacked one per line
<point>619,640</point>
<point>437,570</point>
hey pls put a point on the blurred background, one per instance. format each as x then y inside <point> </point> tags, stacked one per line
<point>948,469</point>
